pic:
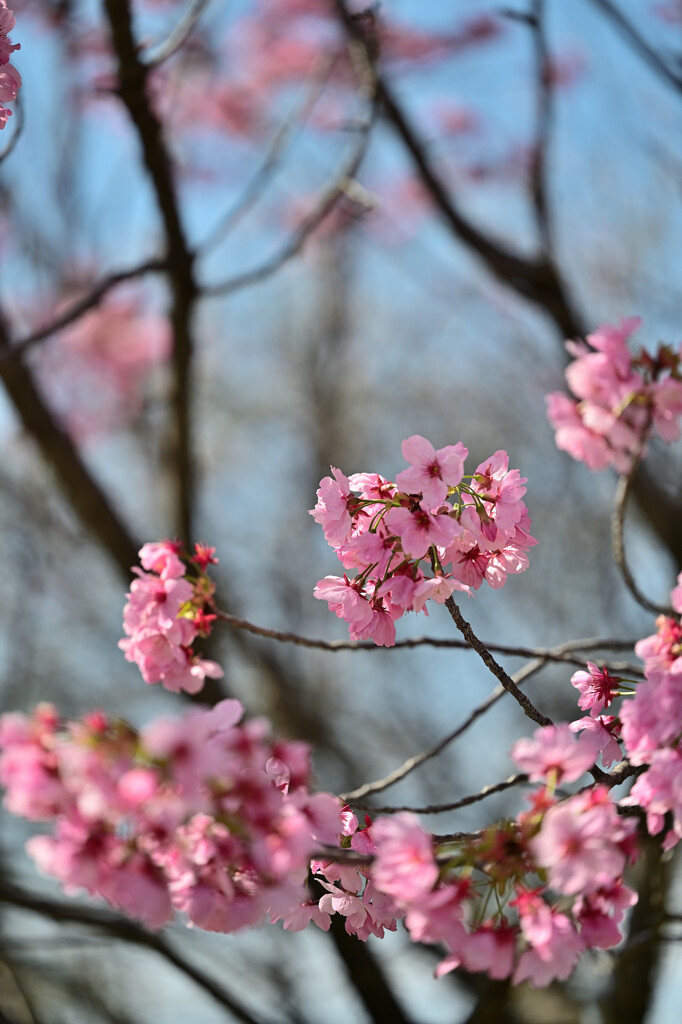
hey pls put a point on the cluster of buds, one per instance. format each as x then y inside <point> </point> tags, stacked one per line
<point>198,813</point>
<point>619,398</point>
<point>169,606</point>
<point>435,530</point>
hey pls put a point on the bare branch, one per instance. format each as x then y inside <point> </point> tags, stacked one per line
<point>560,653</point>
<point>278,144</point>
<point>178,35</point>
<point>132,89</point>
<point>91,504</point>
<point>639,44</point>
<point>544,111</point>
<point>625,484</point>
<point>125,931</point>
<point>486,657</point>
<point>465,801</point>
<point>414,762</point>
<point>536,279</point>
<point>81,306</point>
<point>339,184</point>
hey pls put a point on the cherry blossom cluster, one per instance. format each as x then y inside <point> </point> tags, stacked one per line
<point>198,813</point>
<point>522,899</point>
<point>619,398</point>
<point>169,606</point>
<point>10,79</point>
<point>435,530</point>
<point>346,889</point>
<point>652,726</point>
<point>206,815</point>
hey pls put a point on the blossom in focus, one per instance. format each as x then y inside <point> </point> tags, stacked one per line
<point>420,538</point>
<point>168,607</point>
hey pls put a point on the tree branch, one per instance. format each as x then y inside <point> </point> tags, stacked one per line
<point>486,657</point>
<point>88,499</point>
<point>132,89</point>
<point>411,763</point>
<point>125,931</point>
<point>638,43</point>
<point>535,279</point>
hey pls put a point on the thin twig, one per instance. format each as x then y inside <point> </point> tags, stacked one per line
<point>281,139</point>
<point>623,490</point>
<point>561,653</point>
<point>178,35</point>
<point>465,801</point>
<point>81,306</point>
<point>486,657</point>
<point>411,763</point>
<point>337,186</point>
<point>543,118</point>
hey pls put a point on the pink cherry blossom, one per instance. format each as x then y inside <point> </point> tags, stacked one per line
<point>606,730</point>
<point>331,511</point>
<point>597,688</point>
<point>554,750</point>
<point>431,472</point>
<point>419,529</point>
<point>404,867</point>
<point>618,398</point>
<point>583,842</point>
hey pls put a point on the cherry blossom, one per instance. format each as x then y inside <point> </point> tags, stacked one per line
<point>429,533</point>
<point>165,613</point>
<point>10,79</point>
<point>619,399</point>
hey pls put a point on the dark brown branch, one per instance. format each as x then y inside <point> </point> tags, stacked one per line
<point>88,499</point>
<point>465,801</point>
<point>639,44</point>
<point>486,657</point>
<point>560,653</point>
<point>535,279</point>
<point>125,931</point>
<point>411,763</point>
<point>544,111</point>
<point>132,89</point>
<point>178,35</point>
<point>81,306</point>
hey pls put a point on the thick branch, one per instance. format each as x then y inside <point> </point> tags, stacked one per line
<point>86,496</point>
<point>125,931</point>
<point>132,89</point>
<point>535,279</point>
